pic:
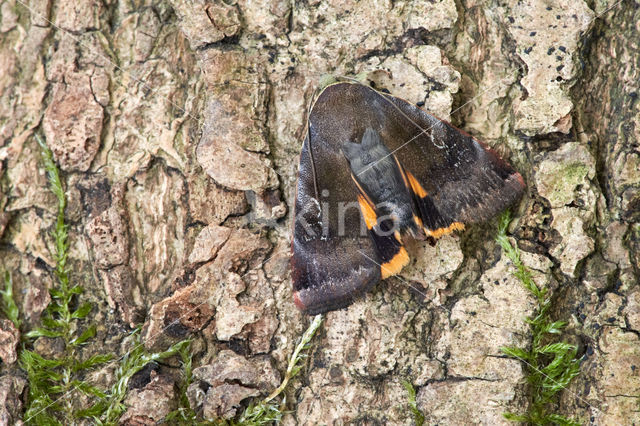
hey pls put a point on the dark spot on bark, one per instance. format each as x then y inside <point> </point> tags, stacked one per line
<point>335,372</point>
<point>319,362</point>
<point>239,346</point>
<point>95,193</point>
<point>528,50</point>
<point>559,67</point>
<point>204,386</point>
<point>143,377</point>
<point>551,50</point>
<point>532,33</point>
<point>175,329</point>
<point>562,49</point>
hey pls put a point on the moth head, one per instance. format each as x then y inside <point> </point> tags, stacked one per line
<point>371,149</point>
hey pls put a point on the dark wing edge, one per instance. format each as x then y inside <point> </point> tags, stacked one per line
<point>328,271</point>
<point>321,289</point>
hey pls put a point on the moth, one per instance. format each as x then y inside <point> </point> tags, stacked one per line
<point>374,171</point>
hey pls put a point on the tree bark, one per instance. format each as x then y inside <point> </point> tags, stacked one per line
<point>178,124</point>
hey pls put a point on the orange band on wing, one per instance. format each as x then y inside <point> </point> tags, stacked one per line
<point>415,186</point>
<point>361,190</point>
<point>437,233</point>
<point>369,215</point>
<point>395,265</point>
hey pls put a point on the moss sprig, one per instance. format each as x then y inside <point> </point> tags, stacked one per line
<point>184,414</point>
<point>550,366</point>
<point>263,412</point>
<point>268,410</point>
<point>55,382</point>
<point>418,416</point>
<point>110,406</point>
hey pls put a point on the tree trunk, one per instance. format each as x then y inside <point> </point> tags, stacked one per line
<point>177,126</point>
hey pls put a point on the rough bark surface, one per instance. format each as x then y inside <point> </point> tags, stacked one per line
<point>177,125</point>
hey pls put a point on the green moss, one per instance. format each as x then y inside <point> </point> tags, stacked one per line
<point>55,383</point>
<point>550,366</point>
<point>262,412</point>
<point>110,405</point>
<point>268,411</point>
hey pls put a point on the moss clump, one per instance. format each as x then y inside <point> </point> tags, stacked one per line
<point>550,366</point>
<point>56,382</point>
